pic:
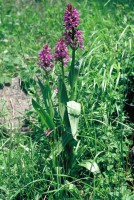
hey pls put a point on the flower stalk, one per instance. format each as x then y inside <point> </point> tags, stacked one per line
<point>62,67</point>
<point>72,74</point>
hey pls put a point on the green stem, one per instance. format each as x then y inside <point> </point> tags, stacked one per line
<point>73,60</point>
<point>72,74</point>
<point>62,67</point>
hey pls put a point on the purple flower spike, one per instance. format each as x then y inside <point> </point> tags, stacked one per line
<point>45,58</point>
<point>71,17</point>
<point>73,36</point>
<point>61,52</point>
<point>75,39</point>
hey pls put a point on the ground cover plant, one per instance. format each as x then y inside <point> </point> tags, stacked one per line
<point>78,143</point>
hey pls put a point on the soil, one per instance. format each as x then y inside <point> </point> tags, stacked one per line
<point>13,104</point>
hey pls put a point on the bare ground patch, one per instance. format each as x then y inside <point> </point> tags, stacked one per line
<point>13,104</point>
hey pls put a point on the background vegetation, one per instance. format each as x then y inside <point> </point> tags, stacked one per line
<point>105,84</point>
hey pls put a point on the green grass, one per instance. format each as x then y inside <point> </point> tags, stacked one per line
<point>104,130</point>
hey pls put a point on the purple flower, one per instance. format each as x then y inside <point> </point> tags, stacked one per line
<point>61,52</point>
<point>45,58</point>
<point>71,17</point>
<point>74,39</point>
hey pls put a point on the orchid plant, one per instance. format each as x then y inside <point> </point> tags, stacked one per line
<point>62,134</point>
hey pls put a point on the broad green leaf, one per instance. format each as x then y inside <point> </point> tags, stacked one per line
<point>45,118</point>
<point>90,165</point>
<point>46,93</point>
<point>74,111</point>
<point>63,99</point>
